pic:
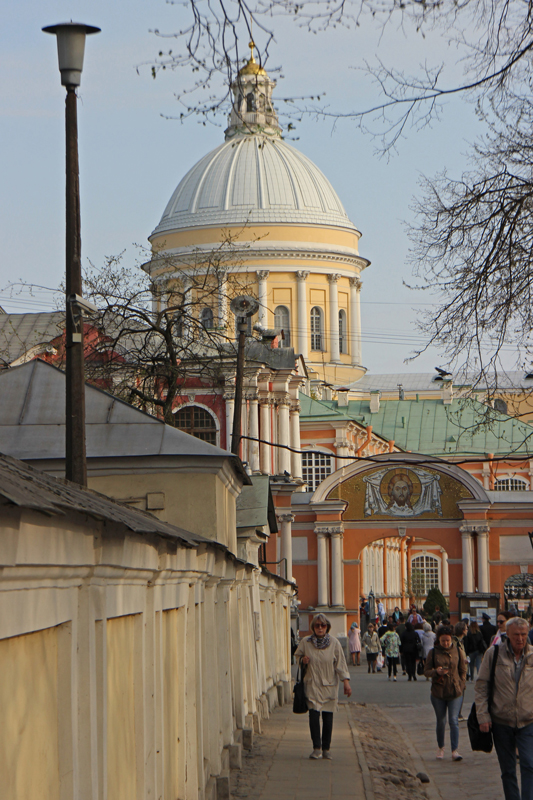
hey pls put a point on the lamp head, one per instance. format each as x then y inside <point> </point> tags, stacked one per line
<point>70,49</point>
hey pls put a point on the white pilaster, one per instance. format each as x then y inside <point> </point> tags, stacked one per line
<point>262,316</point>
<point>355,320</point>
<point>334,346</point>
<point>445,574</point>
<point>322,564</point>
<point>230,405</point>
<point>483,559</point>
<point>223,301</point>
<point>337,593</point>
<point>264,449</point>
<point>296,458</point>
<point>286,521</point>
<point>302,328</point>
<point>284,456</point>
<point>253,447</point>
<point>468,564</point>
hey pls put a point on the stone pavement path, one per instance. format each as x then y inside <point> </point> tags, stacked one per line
<point>279,768</point>
<point>477,777</point>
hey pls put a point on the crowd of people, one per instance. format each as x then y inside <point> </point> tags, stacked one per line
<point>446,655</point>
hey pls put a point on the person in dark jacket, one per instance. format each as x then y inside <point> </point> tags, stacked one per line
<point>475,647</point>
<point>409,640</point>
<point>488,630</point>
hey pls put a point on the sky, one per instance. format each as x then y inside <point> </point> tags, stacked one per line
<point>132,156</point>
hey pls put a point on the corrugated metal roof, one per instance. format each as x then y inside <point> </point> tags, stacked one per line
<point>430,427</point>
<point>25,487</point>
<point>32,417</point>
<point>20,332</point>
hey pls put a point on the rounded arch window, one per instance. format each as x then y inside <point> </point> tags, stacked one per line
<point>282,323</point>
<point>511,485</point>
<point>343,332</point>
<point>317,329</point>
<point>424,573</point>
<point>500,405</point>
<point>206,318</point>
<point>198,422</point>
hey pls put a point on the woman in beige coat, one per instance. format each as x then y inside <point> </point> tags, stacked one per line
<point>323,658</point>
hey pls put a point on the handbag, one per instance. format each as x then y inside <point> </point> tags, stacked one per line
<point>299,703</point>
<point>420,668</point>
<point>479,740</point>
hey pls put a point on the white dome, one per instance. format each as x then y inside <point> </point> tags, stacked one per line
<point>253,179</point>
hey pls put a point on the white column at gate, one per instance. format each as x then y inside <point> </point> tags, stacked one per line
<point>355,320</point>
<point>284,456</point>
<point>334,346</point>
<point>322,565</point>
<point>230,405</point>
<point>337,593</point>
<point>253,447</point>
<point>445,574</point>
<point>286,521</point>
<point>264,449</point>
<point>483,575</point>
<point>296,458</point>
<point>468,563</point>
<point>262,316</point>
<point>301,277</point>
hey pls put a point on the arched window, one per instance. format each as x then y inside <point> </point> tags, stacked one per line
<point>316,466</point>
<point>424,573</point>
<point>317,328</point>
<point>500,405</point>
<point>282,323</point>
<point>198,422</point>
<point>250,102</point>
<point>343,330</point>
<point>511,485</point>
<point>206,318</point>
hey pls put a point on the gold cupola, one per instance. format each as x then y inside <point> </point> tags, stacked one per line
<point>252,109</point>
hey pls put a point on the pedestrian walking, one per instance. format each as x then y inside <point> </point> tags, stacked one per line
<point>414,617</point>
<point>390,642</point>
<point>511,709</point>
<point>354,641</point>
<point>446,665</point>
<point>409,643</point>
<point>501,621</point>
<point>488,629</point>
<point>381,612</point>
<point>475,647</point>
<point>372,647</point>
<point>323,657</point>
<point>428,640</point>
<point>460,630</point>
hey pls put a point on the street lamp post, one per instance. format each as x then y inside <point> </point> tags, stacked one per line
<point>70,51</point>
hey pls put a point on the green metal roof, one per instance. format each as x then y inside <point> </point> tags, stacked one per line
<point>464,427</point>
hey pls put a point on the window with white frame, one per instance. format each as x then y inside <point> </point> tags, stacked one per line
<point>198,422</point>
<point>316,466</point>
<point>317,329</point>
<point>206,318</point>
<point>425,572</point>
<point>343,330</point>
<point>511,485</point>
<point>282,323</point>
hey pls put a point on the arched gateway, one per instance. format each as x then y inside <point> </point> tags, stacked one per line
<point>411,512</point>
